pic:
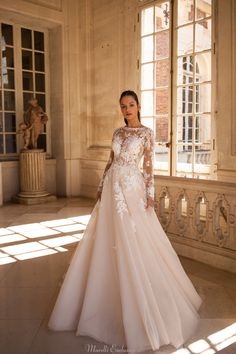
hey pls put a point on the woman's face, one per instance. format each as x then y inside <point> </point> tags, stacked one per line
<point>129,108</point>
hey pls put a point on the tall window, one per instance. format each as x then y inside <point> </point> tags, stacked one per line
<point>8,93</point>
<point>33,72</point>
<point>23,71</point>
<point>155,76</point>
<point>176,84</point>
<point>193,113</point>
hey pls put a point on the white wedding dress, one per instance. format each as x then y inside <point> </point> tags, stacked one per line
<point>125,285</point>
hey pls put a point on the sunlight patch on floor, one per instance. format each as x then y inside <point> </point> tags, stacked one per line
<point>35,254</point>
<point>213,343</point>
<point>83,219</point>
<point>11,238</point>
<point>59,241</point>
<point>21,234</point>
<point>57,222</point>
<point>4,231</point>
<point>71,228</point>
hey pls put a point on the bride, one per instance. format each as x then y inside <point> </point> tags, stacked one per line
<point>125,285</point>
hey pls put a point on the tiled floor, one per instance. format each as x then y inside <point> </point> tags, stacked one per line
<point>36,244</point>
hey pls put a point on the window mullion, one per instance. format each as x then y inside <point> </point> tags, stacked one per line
<point>18,83</point>
<point>194,92</point>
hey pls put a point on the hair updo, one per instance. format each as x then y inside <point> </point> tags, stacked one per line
<point>135,97</point>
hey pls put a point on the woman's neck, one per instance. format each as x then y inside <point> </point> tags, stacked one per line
<point>134,124</point>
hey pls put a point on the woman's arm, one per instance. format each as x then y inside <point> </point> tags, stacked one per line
<point>108,165</point>
<point>148,168</point>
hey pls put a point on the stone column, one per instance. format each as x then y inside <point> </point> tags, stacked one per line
<point>32,178</point>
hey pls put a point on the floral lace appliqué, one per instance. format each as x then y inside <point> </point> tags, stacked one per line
<point>121,206</point>
<point>129,146</point>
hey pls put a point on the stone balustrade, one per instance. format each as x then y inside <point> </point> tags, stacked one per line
<point>199,217</point>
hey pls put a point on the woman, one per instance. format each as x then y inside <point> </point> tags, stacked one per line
<point>125,285</point>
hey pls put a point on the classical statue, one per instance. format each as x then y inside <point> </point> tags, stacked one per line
<point>34,120</point>
<point>25,130</point>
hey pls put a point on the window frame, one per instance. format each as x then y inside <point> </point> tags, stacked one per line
<point>144,4</point>
<point>172,129</point>
<point>19,109</point>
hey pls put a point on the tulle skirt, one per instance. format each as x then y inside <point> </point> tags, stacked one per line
<point>125,285</point>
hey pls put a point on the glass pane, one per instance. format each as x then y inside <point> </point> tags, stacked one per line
<point>203,9</point>
<point>10,143</point>
<point>203,67</point>
<point>1,100</point>
<point>185,129</point>
<point>1,122</point>
<point>147,49</point>
<point>41,101</point>
<point>162,45</point>
<point>203,98</point>
<point>184,158</point>
<point>148,122</point>
<point>185,99</point>
<point>147,21</point>
<point>26,97</point>
<point>147,76</point>
<point>162,101</point>
<point>8,79</point>
<point>1,144</point>
<point>161,157</point>
<point>203,130</point>
<point>27,61</point>
<point>203,35</point>
<point>41,142</point>
<point>147,103</point>
<point>39,61</point>
<point>27,81</point>
<point>9,101</point>
<point>185,11</point>
<point>38,40</point>
<point>4,68</point>
<point>10,122</point>
<point>8,57</point>
<point>185,70</point>
<point>26,38</point>
<point>7,34</point>
<point>40,82</point>
<point>202,156</point>
<point>162,129</point>
<point>185,40</point>
<point>162,16</point>
<point>162,72</point>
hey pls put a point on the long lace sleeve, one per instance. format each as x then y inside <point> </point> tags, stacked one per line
<point>148,165</point>
<point>108,165</point>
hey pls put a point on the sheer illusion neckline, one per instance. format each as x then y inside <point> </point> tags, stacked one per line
<point>133,128</point>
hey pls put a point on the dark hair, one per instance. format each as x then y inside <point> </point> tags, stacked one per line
<point>135,97</point>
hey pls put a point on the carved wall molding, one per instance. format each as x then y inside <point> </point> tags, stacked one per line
<point>51,4</point>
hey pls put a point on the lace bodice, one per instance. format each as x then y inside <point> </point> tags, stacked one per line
<point>129,145</point>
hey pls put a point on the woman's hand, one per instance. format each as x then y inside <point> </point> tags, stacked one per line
<point>150,203</point>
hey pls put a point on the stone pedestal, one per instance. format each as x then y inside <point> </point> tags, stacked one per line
<point>32,178</point>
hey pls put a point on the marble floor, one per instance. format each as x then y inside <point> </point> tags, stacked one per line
<point>36,244</point>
